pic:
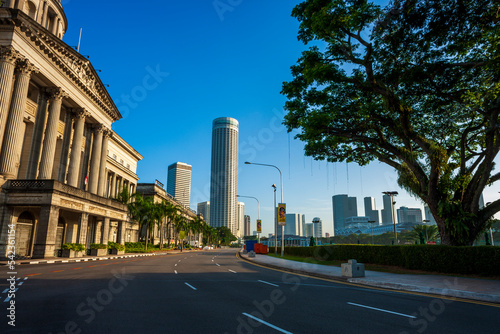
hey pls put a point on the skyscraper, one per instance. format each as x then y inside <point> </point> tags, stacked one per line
<point>317,227</point>
<point>224,174</point>
<point>387,210</point>
<point>370,210</point>
<point>179,182</point>
<point>343,207</point>
<point>204,210</point>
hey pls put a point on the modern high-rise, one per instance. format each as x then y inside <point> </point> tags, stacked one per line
<point>203,208</point>
<point>240,221</point>
<point>370,210</point>
<point>409,215</point>
<point>179,182</point>
<point>387,210</point>
<point>343,207</point>
<point>247,225</point>
<point>224,173</point>
<point>294,224</point>
<point>317,228</point>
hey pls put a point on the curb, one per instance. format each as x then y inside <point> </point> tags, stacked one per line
<point>437,292</point>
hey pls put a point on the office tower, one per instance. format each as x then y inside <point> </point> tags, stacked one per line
<point>370,210</point>
<point>343,207</point>
<point>387,210</point>
<point>317,227</point>
<point>179,182</point>
<point>309,230</point>
<point>429,216</point>
<point>294,224</point>
<point>224,174</point>
<point>247,225</point>
<point>409,215</point>
<point>240,225</point>
<point>204,209</point>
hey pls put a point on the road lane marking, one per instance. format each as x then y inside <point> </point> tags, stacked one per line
<point>56,271</point>
<point>232,271</point>
<point>4,291</point>
<point>382,310</point>
<point>175,271</point>
<point>20,283</point>
<point>33,274</point>
<point>192,287</point>
<point>268,283</point>
<point>218,265</point>
<point>267,324</point>
<point>25,278</point>
<point>175,265</point>
<point>76,268</point>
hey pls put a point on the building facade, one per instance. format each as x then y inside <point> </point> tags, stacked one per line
<point>371,210</point>
<point>409,215</point>
<point>387,214</point>
<point>294,224</point>
<point>248,223</point>
<point>343,207</point>
<point>58,181</point>
<point>317,227</point>
<point>203,208</point>
<point>179,182</point>
<point>224,174</point>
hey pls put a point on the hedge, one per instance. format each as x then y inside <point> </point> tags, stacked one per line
<point>481,260</point>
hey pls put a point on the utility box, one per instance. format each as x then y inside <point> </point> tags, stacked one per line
<point>353,269</point>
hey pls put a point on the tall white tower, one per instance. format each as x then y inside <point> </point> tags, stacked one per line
<point>179,182</point>
<point>224,174</point>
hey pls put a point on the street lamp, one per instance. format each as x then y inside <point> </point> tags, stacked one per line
<point>258,210</point>
<point>281,186</point>
<point>371,223</point>
<point>275,223</point>
<point>392,194</point>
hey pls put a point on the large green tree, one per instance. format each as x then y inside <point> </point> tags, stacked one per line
<point>414,85</point>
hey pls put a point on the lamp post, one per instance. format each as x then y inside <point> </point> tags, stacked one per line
<point>275,223</point>
<point>281,190</point>
<point>392,194</point>
<point>258,210</point>
<point>371,224</point>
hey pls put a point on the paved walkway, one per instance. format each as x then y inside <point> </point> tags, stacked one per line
<point>450,286</point>
<point>49,260</point>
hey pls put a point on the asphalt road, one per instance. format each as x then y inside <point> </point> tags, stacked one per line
<point>215,292</point>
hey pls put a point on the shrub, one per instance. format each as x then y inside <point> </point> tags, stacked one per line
<point>98,246</point>
<point>74,246</point>
<point>114,245</point>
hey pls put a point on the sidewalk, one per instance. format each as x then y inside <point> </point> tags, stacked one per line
<point>449,286</point>
<point>50,260</point>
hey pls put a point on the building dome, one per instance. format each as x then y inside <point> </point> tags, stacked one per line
<point>48,13</point>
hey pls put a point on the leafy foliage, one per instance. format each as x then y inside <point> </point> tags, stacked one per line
<point>415,86</point>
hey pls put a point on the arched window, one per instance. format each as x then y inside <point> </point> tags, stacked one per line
<point>30,9</point>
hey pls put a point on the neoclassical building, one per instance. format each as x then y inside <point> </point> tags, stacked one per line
<point>61,165</point>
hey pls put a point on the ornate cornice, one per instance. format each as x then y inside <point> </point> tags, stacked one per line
<point>25,67</point>
<point>8,54</point>
<point>71,63</point>
<point>56,93</point>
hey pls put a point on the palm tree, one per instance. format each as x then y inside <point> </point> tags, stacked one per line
<point>172,212</point>
<point>424,233</point>
<point>142,211</point>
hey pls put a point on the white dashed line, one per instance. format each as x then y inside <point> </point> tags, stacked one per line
<point>268,283</point>
<point>232,271</point>
<point>382,310</point>
<point>192,287</point>
<point>267,324</point>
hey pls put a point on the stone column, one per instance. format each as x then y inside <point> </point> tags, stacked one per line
<point>8,58</point>
<point>121,232</point>
<point>82,228</point>
<point>76,148</point>
<point>11,150</point>
<point>50,140</point>
<point>63,165</point>
<point>112,186</point>
<point>46,232</point>
<point>105,231</point>
<point>101,187</point>
<point>96,159</point>
<point>36,143</point>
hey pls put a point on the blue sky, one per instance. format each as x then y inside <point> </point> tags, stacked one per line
<point>174,66</point>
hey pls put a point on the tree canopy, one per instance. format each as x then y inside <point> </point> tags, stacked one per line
<point>414,85</point>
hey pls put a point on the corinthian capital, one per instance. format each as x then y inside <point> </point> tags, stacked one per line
<point>24,66</point>
<point>78,113</point>
<point>56,93</point>
<point>8,54</point>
